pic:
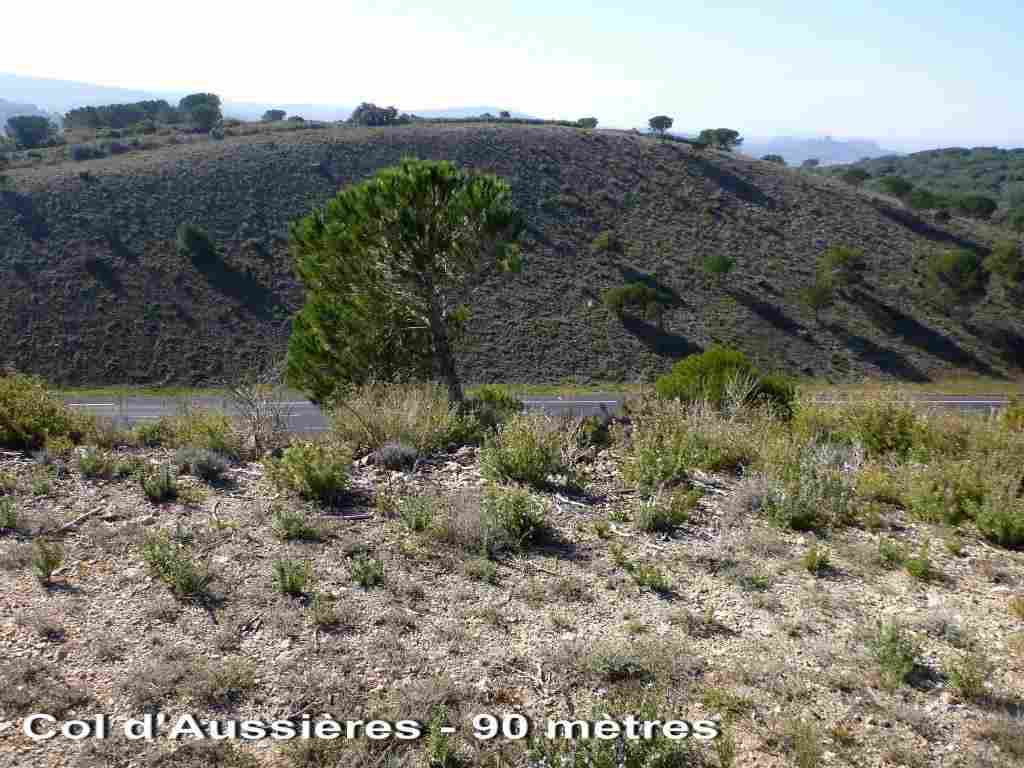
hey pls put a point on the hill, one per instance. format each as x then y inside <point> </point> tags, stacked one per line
<point>95,292</point>
<point>957,171</point>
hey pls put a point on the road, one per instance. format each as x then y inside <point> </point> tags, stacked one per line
<point>303,416</point>
<point>306,417</point>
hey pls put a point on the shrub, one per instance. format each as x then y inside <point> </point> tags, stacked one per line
<point>315,470</point>
<point>890,553</point>
<point>290,577</point>
<point>80,152</point>
<point>978,206</point>
<point>8,514</point>
<point>719,265</point>
<point>1000,516</point>
<point>606,242</point>
<point>418,415</point>
<point>493,404</point>
<point>895,654</point>
<point>192,428</point>
<point>777,159</point>
<point>709,375</point>
<point>30,131</point>
<point>416,512</point>
<point>958,274</point>
<point>290,525</point>
<point>481,569</point>
<point>651,577</point>
<point>815,560</point>
<point>895,186</point>
<point>527,449</point>
<point>946,492</point>
<point>169,561</point>
<point>29,415</point>
<point>1006,261</point>
<point>367,571</point>
<point>193,241</point>
<point>395,456</point>
<point>46,558</point>
<point>202,463</point>
<point>94,463</point>
<point>818,497</point>
<point>160,484</point>
<point>512,517</point>
<point>587,122</point>
<point>920,567</point>
<point>969,675</point>
<point>634,296</point>
<point>665,511</point>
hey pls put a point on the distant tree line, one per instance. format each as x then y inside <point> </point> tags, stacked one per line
<point>203,110</point>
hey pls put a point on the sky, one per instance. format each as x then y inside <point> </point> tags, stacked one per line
<point>936,73</point>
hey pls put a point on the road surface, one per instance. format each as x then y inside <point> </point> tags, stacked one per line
<point>303,416</point>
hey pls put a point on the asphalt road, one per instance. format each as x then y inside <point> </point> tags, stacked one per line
<point>303,416</point>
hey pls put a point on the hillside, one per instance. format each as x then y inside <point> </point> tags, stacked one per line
<point>94,292</point>
<point>996,173</point>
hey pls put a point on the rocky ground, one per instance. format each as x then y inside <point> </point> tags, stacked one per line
<point>738,629</point>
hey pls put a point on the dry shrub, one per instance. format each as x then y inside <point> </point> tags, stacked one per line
<point>417,415</point>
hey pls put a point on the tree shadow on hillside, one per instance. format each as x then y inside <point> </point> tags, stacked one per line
<point>912,331</point>
<point>104,274</point>
<point>732,183</point>
<point>921,227</point>
<point>240,286</point>
<point>768,312</point>
<point>887,360</point>
<point>658,340</point>
<point>1008,343</point>
<point>32,224</point>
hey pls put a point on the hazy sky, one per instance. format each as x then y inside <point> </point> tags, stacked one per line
<point>941,72</point>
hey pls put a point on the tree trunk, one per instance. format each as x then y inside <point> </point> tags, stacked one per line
<point>443,350</point>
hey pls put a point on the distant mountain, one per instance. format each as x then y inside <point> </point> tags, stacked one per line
<point>455,112</point>
<point>827,150</point>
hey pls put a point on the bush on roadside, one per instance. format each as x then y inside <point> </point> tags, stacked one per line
<point>721,375</point>
<point>816,497</point>
<point>96,464</point>
<point>527,449</point>
<point>192,428</point>
<point>315,470</point>
<point>946,492</point>
<point>667,510</point>
<point>417,415</point>
<point>30,415</point>
<point>169,561</point>
<point>492,405</point>
<point>1000,516</point>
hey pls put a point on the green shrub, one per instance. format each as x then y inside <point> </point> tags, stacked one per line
<point>946,492</point>
<point>719,264</point>
<point>1007,261</point>
<point>635,296</point>
<point>711,375</point>
<point>666,511</point>
<point>30,416</point>
<point>94,463</point>
<point>291,577</point>
<point>416,512</point>
<point>160,484</point>
<point>957,274</point>
<point>193,241</point>
<point>1000,516</point>
<point>977,206</point>
<point>367,571</point>
<point>895,653</point>
<point>291,525</point>
<point>815,560</point>
<point>920,567</point>
<point>8,514</point>
<point>202,463</point>
<point>527,449</point>
<point>493,404</point>
<point>169,561</point>
<point>651,577</point>
<point>890,553</point>
<point>969,675</point>
<point>192,428</point>
<point>512,517</point>
<point>606,242</point>
<point>315,470</point>
<point>47,557</point>
<point>817,497</point>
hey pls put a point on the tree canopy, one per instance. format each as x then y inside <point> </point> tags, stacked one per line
<point>30,131</point>
<point>368,113</point>
<point>660,123</point>
<point>273,115</point>
<point>777,159</point>
<point>383,263</point>
<point>724,138</point>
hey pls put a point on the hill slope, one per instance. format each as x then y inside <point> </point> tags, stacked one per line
<point>93,291</point>
<point>996,173</point>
